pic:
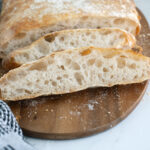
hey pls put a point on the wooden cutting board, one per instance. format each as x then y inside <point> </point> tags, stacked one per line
<point>82,113</point>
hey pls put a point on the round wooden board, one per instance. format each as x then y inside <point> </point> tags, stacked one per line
<point>81,113</point>
<point>86,112</point>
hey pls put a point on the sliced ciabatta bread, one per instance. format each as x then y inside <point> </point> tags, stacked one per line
<point>24,21</point>
<point>73,70</point>
<point>69,39</point>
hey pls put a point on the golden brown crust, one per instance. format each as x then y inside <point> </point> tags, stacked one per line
<point>20,16</point>
<point>9,63</point>
<point>12,73</point>
<point>137,49</point>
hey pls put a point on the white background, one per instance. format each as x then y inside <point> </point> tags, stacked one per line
<point>131,134</point>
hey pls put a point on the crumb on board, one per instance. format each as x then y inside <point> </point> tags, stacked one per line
<point>63,117</point>
<point>91,107</point>
<point>75,113</point>
<point>46,109</point>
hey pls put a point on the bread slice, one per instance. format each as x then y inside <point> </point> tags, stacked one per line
<point>24,21</point>
<point>74,70</point>
<point>69,39</point>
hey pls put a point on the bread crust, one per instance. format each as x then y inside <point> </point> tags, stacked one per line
<point>83,51</point>
<point>20,17</point>
<point>9,62</point>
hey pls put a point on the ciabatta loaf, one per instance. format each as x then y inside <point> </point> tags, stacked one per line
<point>24,21</point>
<point>73,70</point>
<point>69,39</point>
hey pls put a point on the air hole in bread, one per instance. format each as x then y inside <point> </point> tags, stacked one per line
<point>50,38</point>
<point>91,62</point>
<point>75,66</point>
<point>85,52</point>
<point>127,28</point>
<point>77,42</point>
<point>26,55</point>
<point>84,65</point>
<point>121,36</point>
<point>37,80</point>
<point>98,27</point>
<point>29,83</point>
<point>85,18</point>
<point>106,32</point>
<point>103,80</point>
<point>105,70</point>
<point>28,92</point>
<point>62,39</point>
<point>111,67</point>
<point>62,67</point>
<point>46,82</point>
<point>99,63</point>
<point>65,76</point>
<point>67,61</point>
<point>135,77</point>
<point>76,26</point>
<point>86,73</point>
<point>93,37</point>
<point>59,78</point>
<point>32,37</point>
<point>38,66</point>
<point>112,43</point>
<point>78,76</point>
<point>54,83</point>
<point>123,78</point>
<point>99,75</point>
<point>20,35</point>
<point>66,22</point>
<point>72,43</point>
<point>121,62</point>
<point>118,21</point>
<point>50,61</point>
<point>107,23</point>
<point>123,56</point>
<point>111,76</point>
<point>87,33</point>
<point>132,66</point>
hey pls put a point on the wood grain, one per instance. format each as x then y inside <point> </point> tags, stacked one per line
<point>79,114</point>
<point>82,113</point>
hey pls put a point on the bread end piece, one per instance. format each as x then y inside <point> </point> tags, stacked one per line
<point>21,27</point>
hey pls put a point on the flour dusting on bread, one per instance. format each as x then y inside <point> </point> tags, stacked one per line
<point>74,70</point>
<point>32,19</point>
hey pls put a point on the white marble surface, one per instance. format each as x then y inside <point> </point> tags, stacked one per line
<point>131,134</point>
